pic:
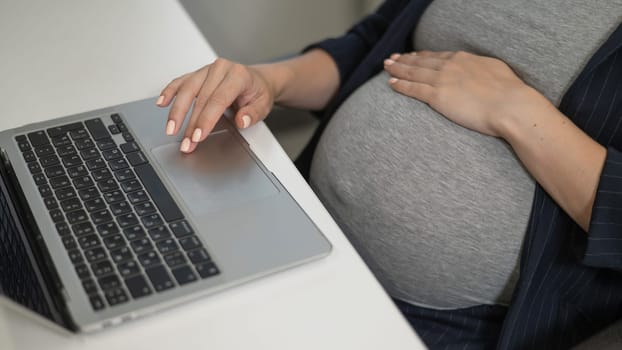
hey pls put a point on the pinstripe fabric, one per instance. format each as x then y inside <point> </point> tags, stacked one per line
<point>570,285</point>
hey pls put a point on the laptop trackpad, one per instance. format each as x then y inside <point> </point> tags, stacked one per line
<point>219,174</point>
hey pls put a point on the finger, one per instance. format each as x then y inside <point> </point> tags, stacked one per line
<point>252,113</point>
<point>183,100</point>
<point>213,79</point>
<point>412,73</point>
<point>420,91</point>
<point>168,93</point>
<point>422,61</point>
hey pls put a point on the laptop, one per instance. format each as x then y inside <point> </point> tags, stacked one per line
<point>103,220</point>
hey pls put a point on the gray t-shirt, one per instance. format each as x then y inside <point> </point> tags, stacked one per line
<point>437,211</point>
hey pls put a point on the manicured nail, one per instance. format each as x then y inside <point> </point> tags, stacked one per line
<point>196,135</point>
<point>246,121</point>
<point>185,145</point>
<point>395,56</point>
<point>393,80</point>
<point>170,127</point>
<point>388,62</point>
<point>160,100</point>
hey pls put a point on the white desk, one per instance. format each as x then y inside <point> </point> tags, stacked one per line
<point>64,57</point>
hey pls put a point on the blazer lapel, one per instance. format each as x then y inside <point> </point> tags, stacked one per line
<point>613,43</point>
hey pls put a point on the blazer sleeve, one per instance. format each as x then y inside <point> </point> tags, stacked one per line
<point>350,49</point>
<point>604,236</point>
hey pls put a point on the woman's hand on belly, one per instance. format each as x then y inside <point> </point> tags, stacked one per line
<point>484,94</point>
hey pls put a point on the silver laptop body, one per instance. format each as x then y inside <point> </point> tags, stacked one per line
<point>228,203</point>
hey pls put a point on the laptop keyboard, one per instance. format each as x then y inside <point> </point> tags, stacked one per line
<point>122,230</point>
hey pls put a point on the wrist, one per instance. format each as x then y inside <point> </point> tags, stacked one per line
<point>523,109</point>
<point>275,76</point>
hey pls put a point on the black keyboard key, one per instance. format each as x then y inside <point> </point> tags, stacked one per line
<point>63,129</point>
<point>112,153</point>
<point>109,228</point>
<point>61,141</point>
<point>175,258</point>
<point>77,216</point>
<point>198,255</point>
<point>151,221</point>
<point>206,269</point>
<point>95,164</point>
<point>107,185</point>
<point>130,186</point>
<point>149,259</point>
<point>65,151</point>
<point>29,156</point>
<point>116,296</point>
<point>39,178</point>
<point>160,195</point>
<point>44,150</point>
<point>129,147</point>
<point>190,242</point>
<point>107,282</point>
<point>116,118</point>
<point>138,286</point>
<point>120,208</point>
<point>83,228</point>
<point>136,158</point>
<point>127,137</point>
<point>89,241</point>
<point>168,245</point>
<point>87,194</point>
<point>50,160</point>
<point>94,254</point>
<point>113,197</point>
<point>101,216</point>
<point>71,160</point>
<point>59,182</point>
<point>118,164</point>
<point>95,204</point>
<point>57,215</point>
<point>124,175</point>
<point>90,287</point>
<point>114,129</point>
<point>184,275</point>
<point>83,271</point>
<point>159,277</point>
<point>101,174</point>
<point>128,268</point>
<point>34,168</point>
<point>122,127</point>
<point>106,144</point>
<point>89,154</point>
<point>75,256</point>
<point>78,134</point>
<point>159,233</point>
<point>120,255</point>
<point>103,268</point>
<point>97,129</point>
<point>127,220</point>
<point>114,242</point>
<point>76,171</point>
<point>38,138</point>
<point>181,228</point>
<point>83,182</point>
<point>50,203</point>
<point>97,302</point>
<point>71,204</point>
<point>45,191</point>
<point>23,143</point>
<point>53,171</point>
<point>137,197</point>
<point>63,229</point>
<point>84,143</point>
<point>134,232</point>
<point>65,193</point>
<point>69,242</point>
<point>142,245</point>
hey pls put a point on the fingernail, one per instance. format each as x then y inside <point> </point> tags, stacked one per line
<point>393,80</point>
<point>185,145</point>
<point>395,56</point>
<point>413,53</point>
<point>160,100</point>
<point>170,127</point>
<point>246,121</point>
<point>388,62</point>
<point>196,135</point>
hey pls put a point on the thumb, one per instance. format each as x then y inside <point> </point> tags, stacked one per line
<point>248,116</point>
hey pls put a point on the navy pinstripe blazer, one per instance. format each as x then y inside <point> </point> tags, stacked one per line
<point>570,284</point>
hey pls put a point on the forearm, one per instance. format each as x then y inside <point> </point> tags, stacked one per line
<point>308,81</point>
<point>559,155</point>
